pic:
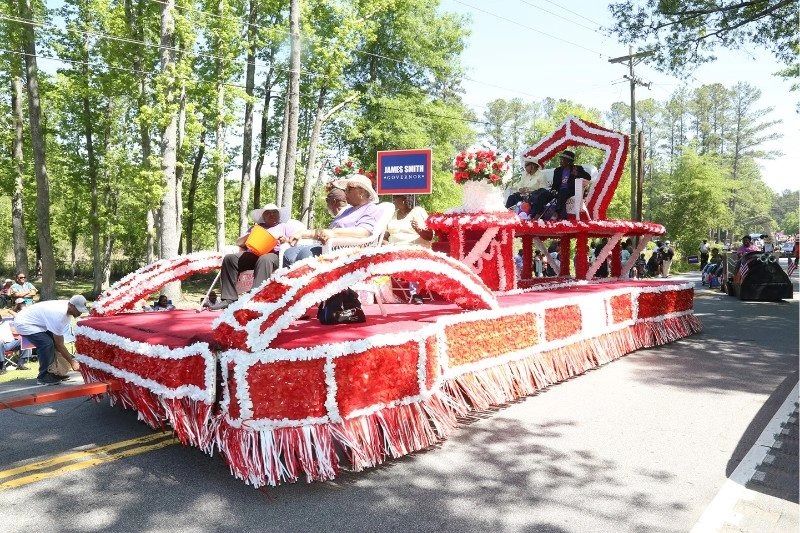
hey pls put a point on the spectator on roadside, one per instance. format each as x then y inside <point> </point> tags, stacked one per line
<point>211,300</point>
<point>640,267</point>
<point>654,263</point>
<point>8,343</point>
<point>43,324</point>
<point>538,264</point>
<point>703,254</point>
<point>19,304</point>
<point>5,293</point>
<point>602,272</point>
<point>747,246</point>
<point>667,253</point>
<point>162,304</point>
<point>23,289</point>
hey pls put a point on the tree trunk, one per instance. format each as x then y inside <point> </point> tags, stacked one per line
<point>169,211</point>
<point>179,167</point>
<point>198,160</point>
<point>144,133</point>
<point>17,211</point>
<point>94,215</point>
<point>247,137</point>
<point>39,157</point>
<point>262,147</point>
<point>311,159</point>
<point>281,170</point>
<point>108,247</point>
<point>294,104</point>
<point>220,167</point>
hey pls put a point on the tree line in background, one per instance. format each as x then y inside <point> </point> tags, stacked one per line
<point>136,127</point>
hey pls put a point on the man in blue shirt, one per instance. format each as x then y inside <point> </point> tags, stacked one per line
<point>23,289</point>
<point>564,180</point>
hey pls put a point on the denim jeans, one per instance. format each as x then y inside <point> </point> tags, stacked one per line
<point>296,253</point>
<point>8,347</point>
<point>45,349</point>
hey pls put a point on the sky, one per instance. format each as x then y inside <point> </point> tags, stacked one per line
<point>507,50</point>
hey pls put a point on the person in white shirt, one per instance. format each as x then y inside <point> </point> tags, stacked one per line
<point>533,187</point>
<point>408,224</point>
<point>43,324</point>
<point>704,254</point>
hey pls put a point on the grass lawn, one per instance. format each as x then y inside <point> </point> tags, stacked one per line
<point>12,374</point>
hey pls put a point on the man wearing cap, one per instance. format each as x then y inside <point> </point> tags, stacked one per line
<point>43,324</point>
<point>268,217</point>
<point>358,220</point>
<point>564,177</point>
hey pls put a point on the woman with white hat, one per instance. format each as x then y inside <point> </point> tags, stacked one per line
<point>262,266</point>
<point>358,220</point>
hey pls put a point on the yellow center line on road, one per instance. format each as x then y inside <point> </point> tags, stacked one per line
<point>86,458</point>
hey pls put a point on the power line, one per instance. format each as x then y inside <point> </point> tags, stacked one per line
<point>501,17</point>
<point>318,40</point>
<point>571,21</point>
<point>574,13</point>
<point>102,35</point>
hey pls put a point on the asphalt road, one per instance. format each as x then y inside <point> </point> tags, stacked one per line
<point>641,444</point>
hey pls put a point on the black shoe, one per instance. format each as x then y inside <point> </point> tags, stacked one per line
<point>63,378</point>
<point>21,366</point>
<point>417,299</point>
<point>49,379</point>
<point>3,369</point>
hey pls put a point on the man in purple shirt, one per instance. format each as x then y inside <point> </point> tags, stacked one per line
<point>358,220</point>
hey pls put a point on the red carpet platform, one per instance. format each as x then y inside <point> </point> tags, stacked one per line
<point>283,397</point>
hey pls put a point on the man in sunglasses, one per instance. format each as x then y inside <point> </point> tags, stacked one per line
<point>22,288</point>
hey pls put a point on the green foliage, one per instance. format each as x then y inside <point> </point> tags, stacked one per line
<point>685,33</point>
<point>698,190</point>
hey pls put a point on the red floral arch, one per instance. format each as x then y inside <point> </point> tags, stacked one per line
<point>574,131</point>
<point>257,318</point>
<point>149,279</point>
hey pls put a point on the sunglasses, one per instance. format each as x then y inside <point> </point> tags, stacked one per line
<point>20,277</point>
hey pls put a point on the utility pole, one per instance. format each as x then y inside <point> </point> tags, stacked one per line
<point>632,60</point>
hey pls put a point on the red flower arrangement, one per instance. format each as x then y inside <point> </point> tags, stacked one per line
<point>480,165</point>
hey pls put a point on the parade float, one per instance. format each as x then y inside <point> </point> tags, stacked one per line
<point>282,397</point>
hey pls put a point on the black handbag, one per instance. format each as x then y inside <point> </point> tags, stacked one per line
<point>341,308</point>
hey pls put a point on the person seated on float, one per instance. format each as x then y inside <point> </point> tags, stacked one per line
<point>268,217</point>
<point>358,220</point>
<point>408,223</point>
<point>162,304</point>
<point>563,186</point>
<point>336,201</point>
<point>534,188</point>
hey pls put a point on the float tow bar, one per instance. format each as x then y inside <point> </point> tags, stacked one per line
<point>64,392</point>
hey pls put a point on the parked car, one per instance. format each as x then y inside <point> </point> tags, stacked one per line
<point>786,248</point>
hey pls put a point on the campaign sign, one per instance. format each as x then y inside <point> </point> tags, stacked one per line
<point>405,171</point>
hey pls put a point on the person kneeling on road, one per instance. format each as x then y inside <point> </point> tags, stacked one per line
<point>43,324</point>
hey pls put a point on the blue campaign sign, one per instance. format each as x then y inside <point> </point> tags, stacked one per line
<point>405,172</point>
